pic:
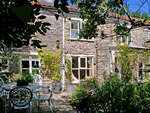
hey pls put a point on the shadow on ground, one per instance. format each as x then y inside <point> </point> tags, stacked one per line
<point>61,102</point>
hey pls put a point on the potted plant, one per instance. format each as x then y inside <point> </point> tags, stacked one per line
<point>22,79</point>
<point>70,86</point>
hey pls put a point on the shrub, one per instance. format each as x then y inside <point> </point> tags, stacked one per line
<point>22,79</point>
<point>113,96</point>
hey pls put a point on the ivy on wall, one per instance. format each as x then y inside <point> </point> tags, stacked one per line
<point>129,59</point>
<point>51,64</point>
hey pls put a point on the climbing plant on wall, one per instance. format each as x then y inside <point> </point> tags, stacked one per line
<point>51,64</point>
<point>129,59</point>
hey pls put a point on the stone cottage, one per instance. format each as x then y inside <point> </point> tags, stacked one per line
<point>89,57</point>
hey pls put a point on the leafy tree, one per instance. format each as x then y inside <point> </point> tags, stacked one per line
<point>18,22</point>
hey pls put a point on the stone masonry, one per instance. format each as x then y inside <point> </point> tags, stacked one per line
<point>99,47</point>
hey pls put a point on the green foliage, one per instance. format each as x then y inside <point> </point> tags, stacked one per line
<point>3,77</point>
<point>17,18</point>
<point>69,71</point>
<point>52,63</point>
<point>114,96</point>
<point>126,62</point>
<point>128,58</point>
<point>22,79</point>
<point>35,71</point>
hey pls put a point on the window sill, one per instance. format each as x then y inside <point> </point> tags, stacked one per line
<point>81,40</point>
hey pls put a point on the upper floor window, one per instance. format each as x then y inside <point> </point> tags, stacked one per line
<point>75,28</point>
<point>126,40</point>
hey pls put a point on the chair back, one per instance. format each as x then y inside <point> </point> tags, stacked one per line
<point>20,96</point>
<point>1,82</point>
<point>53,88</point>
<point>37,79</point>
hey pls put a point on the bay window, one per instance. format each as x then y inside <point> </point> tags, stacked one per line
<point>82,67</point>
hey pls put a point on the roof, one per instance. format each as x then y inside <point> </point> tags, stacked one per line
<point>43,3</point>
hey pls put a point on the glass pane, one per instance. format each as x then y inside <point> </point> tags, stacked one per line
<point>74,34</point>
<point>25,71</point>
<point>89,72</point>
<point>82,74</point>
<point>140,74</point>
<point>25,64</point>
<point>82,62</point>
<point>140,65</point>
<point>35,71</point>
<point>89,62</point>
<point>74,25</point>
<point>74,62</point>
<point>35,64</point>
<point>123,39</point>
<point>75,73</point>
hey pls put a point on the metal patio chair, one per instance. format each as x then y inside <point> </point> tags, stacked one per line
<point>45,98</point>
<point>20,98</point>
<point>1,83</point>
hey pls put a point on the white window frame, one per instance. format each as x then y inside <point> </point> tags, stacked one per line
<point>30,59</point>
<point>126,39</point>
<point>80,22</point>
<point>85,68</point>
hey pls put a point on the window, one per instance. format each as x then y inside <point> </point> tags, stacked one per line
<point>30,64</point>
<point>123,39</point>
<point>129,39</point>
<point>75,27</point>
<point>82,67</point>
<point>140,72</point>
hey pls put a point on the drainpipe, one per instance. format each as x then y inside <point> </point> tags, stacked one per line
<point>63,59</point>
<point>110,62</point>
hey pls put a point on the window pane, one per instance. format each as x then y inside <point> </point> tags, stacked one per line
<point>123,39</point>
<point>35,64</point>
<point>35,71</point>
<point>82,74</point>
<point>25,64</point>
<point>74,62</point>
<point>75,73</point>
<point>74,25</point>
<point>25,71</point>
<point>89,62</point>
<point>117,38</point>
<point>89,72</point>
<point>74,34</point>
<point>82,62</point>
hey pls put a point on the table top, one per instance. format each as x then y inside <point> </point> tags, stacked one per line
<point>32,86</point>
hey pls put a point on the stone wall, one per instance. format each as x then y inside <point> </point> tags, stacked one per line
<point>98,47</point>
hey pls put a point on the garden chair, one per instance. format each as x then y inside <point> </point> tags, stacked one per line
<point>37,79</point>
<point>45,98</point>
<point>1,83</point>
<point>20,98</point>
